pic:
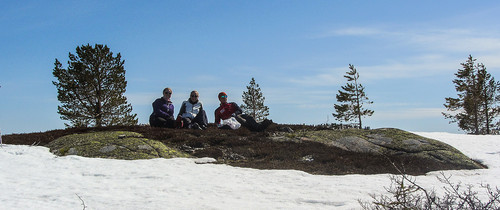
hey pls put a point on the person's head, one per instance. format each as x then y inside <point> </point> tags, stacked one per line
<point>167,93</point>
<point>194,96</point>
<point>223,97</point>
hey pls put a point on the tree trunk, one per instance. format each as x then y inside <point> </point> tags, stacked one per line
<point>487,117</point>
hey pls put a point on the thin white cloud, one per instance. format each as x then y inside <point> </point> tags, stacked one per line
<point>295,96</point>
<point>138,99</point>
<point>435,53</point>
<point>414,67</point>
<point>409,114</point>
<point>411,68</point>
<point>455,40</point>
<point>443,40</point>
<point>329,77</point>
<point>491,61</point>
<point>351,31</point>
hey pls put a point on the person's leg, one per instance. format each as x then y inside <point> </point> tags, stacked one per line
<point>201,119</point>
<point>169,123</point>
<point>186,122</point>
<point>152,121</point>
<point>266,123</point>
<point>159,122</point>
<point>248,121</point>
<point>225,127</point>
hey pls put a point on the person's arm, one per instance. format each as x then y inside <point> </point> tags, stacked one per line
<point>217,117</point>
<point>157,105</point>
<point>183,109</point>
<point>170,110</point>
<point>237,109</point>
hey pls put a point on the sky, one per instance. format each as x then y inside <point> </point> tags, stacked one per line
<point>406,53</point>
<point>34,178</point>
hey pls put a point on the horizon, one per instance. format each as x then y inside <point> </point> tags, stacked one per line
<point>406,54</point>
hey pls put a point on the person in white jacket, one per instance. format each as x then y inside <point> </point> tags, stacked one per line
<point>191,114</point>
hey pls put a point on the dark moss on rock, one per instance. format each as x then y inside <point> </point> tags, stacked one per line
<point>392,142</point>
<point>112,144</point>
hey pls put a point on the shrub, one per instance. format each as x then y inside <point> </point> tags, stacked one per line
<point>405,193</point>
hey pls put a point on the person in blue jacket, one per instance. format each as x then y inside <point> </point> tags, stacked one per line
<point>163,111</point>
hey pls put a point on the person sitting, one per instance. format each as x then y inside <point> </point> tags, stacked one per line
<point>191,114</point>
<point>232,116</point>
<point>163,111</point>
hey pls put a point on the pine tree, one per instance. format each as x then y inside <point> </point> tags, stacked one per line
<point>254,102</point>
<point>352,99</point>
<point>91,88</point>
<point>476,106</point>
<point>489,98</point>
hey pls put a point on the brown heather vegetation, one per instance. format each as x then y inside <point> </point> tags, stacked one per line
<point>244,148</point>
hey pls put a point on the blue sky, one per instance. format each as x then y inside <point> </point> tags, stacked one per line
<point>298,51</point>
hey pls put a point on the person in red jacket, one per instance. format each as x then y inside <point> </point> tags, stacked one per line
<point>227,110</point>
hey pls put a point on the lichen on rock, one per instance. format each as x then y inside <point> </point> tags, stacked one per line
<point>391,141</point>
<point>112,144</point>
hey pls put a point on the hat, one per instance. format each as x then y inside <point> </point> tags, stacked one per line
<point>222,94</point>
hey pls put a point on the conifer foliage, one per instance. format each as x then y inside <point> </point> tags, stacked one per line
<point>352,97</point>
<point>91,88</point>
<point>476,106</point>
<point>254,102</point>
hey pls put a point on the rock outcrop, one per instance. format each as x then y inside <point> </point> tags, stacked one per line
<point>112,144</point>
<point>389,142</point>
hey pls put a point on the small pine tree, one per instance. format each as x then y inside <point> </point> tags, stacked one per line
<point>91,88</point>
<point>489,98</point>
<point>476,106</point>
<point>254,102</point>
<point>352,99</point>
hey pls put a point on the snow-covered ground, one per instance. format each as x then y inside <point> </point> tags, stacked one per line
<point>33,178</point>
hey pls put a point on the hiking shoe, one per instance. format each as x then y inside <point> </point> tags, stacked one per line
<point>264,124</point>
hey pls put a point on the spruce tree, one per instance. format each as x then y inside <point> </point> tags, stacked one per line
<point>352,99</point>
<point>254,102</point>
<point>489,90</point>
<point>476,105</point>
<point>91,88</point>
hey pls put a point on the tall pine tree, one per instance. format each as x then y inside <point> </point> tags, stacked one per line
<point>352,99</point>
<point>91,88</point>
<point>254,102</point>
<point>476,106</point>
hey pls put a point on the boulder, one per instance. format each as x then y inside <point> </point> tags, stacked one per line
<point>391,142</point>
<point>112,144</point>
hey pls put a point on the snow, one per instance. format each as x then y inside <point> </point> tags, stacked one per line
<point>33,178</point>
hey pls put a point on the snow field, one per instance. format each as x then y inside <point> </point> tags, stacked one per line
<point>33,178</point>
